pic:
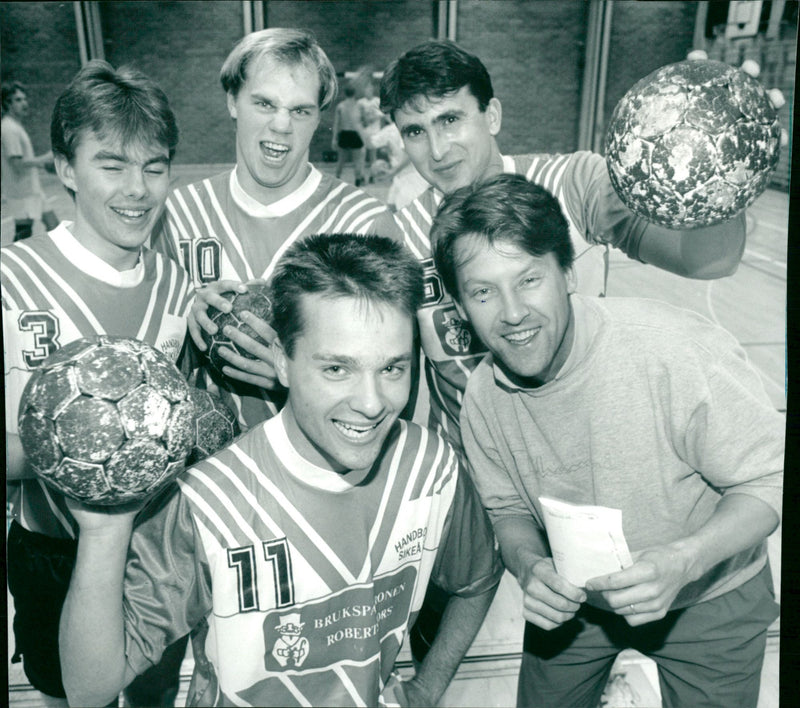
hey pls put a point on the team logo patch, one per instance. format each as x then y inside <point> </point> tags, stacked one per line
<point>291,647</point>
<point>454,333</point>
<point>347,626</point>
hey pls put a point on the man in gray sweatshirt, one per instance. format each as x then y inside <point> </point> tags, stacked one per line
<point>623,403</point>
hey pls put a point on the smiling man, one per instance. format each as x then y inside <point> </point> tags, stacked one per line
<point>624,403</point>
<point>113,136</point>
<point>308,543</point>
<point>232,228</point>
<point>442,100</point>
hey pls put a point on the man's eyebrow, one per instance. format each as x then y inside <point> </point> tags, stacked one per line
<point>258,96</point>
<point>451,113</point>
<point>110,155</point>
<point>355,362</point>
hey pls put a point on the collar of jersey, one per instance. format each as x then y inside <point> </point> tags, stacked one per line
<point>284,206</point>
<point>82,258</point>
<point>303,470</point>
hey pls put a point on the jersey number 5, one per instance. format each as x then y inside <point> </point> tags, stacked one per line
<point>278,562</point>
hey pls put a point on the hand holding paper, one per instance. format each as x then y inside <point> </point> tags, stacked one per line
<point>586,541</point>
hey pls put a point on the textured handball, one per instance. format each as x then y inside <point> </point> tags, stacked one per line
<point>216,425</point>
<point>255,300</point>
<point>107,420</point>
<point>692,144</point>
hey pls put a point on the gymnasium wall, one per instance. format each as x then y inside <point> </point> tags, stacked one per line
<point>535,52</point>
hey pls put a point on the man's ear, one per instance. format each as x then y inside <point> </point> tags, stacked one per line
<point>280,360</point>
<point>231,99</point>
<point>572,280</point>
<point>494,115</point>
<point>65,171</point>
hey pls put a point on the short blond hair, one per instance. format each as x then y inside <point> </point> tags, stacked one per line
<point>284,45</point>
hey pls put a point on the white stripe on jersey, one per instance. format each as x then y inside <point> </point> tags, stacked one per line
<point>290,686</point>
<point>378,526</point>
<point>298,232</point>
<point>177,225</point>
<point>348,684</point>
<point>223,219</point>
<point>56,511</point>
<point>424,217</point>
<point>46,292</point>
<point>58,280</point>
<point>362,224</point>
<point>148,313</point>
<point>206,508</point>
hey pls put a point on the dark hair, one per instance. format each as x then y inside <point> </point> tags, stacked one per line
<point>7,92</point>
<point>120,102</point>
<point>433,70</point>
<point>504,208</point>
<point>284,45</point>
<point>372,268</point>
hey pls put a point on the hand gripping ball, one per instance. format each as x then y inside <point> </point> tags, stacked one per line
<point>107,420</point>
<point>692,144</point>
<point>255,300</point>
<point>215,424</point>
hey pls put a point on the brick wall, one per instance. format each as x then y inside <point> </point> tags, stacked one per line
<point>645,36</point>
<point>182,46</point>
<point>534,52</point>
<point>40,49</point>
<point>354,34</point>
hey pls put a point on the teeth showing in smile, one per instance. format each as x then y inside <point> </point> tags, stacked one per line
<point>521,337</point>
<point>355,432</point>
<point>130,213</point>
<point>275,150</point>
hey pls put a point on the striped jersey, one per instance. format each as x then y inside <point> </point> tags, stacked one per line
<point>218,231</point>
<point>596,217</point>
<point>55,291</point>
<point>307,579</point>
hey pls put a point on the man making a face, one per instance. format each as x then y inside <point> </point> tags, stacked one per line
<point>232,228</point>
<point>308,543</point>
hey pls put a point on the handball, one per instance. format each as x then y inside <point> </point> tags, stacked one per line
<point>107,420</point>
<point>215,424</point>
<point>255,300</point>
<point>692,144</point>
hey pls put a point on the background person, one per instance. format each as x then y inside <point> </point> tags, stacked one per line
<point>347,139</point>
<point>625,403</point>
<point>23,197</point>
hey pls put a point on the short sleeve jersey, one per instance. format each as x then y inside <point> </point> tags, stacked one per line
<point>217,231</point>
<point>597,218</point>
<point>308,579</point>
<point>56,291</point>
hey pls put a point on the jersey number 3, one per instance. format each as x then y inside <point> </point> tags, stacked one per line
<point>278,562</point>
<point>45,330</point>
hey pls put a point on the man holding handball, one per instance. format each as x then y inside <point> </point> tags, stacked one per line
<point>624,403</point>
<point>308,543</point>
<point>113,137</point>
<point>231,228</point>
<point>442,101</point>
